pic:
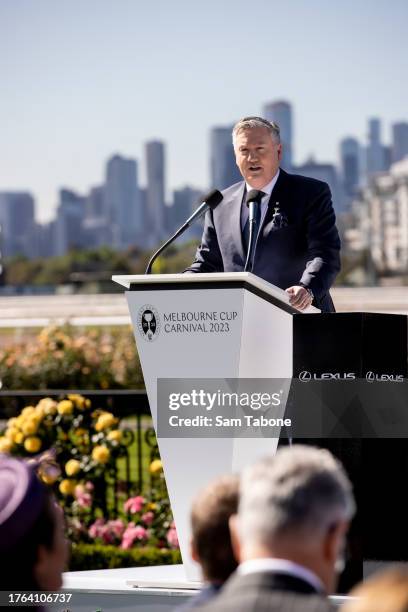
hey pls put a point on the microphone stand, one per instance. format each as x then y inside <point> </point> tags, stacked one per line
<point>155,255</point>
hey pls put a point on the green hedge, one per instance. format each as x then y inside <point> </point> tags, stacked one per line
<point>99,556</point>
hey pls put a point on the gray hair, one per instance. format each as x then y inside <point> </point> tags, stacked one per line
<point>249,123</point>
<point>301,490</point>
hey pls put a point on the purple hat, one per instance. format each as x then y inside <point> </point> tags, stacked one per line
<point>21,500</point>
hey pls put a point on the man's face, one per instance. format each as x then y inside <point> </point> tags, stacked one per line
<point>257,156</point>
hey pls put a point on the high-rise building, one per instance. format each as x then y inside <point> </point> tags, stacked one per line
<point>350,155</point>
<point>376,152</point>
<point>185,201</point>
<point>17,223</point>
<point>155,191</point>
<point>68,224</point>
<point>326,173</point>
<point>224,171</point>
<point>122,201</point>
<point>399,141</point>
<point>95,205</point>
<point>382,228</point>
<point>281,112</point>
<point>43,240</point>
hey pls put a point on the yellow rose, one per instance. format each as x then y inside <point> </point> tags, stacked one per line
<point>28,411</point>
<point>18,438</point>
<point>46,406</point>
<point>156,466</point>
<point>11,432</point>
<point>72,467</point>
<point>12,422</point>
<point>78,400</point>
<point>65,407</point>
<point>105,420</point>
<point>20,420</point>
<point>5,445</point>
<point>29,427</point>
<point>67,486</point>
<point>32,444</point>
<point>115,435</point>
<point>101,454</point>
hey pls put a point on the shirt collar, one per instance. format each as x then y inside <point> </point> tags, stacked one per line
<point>282,566</point>
<point>268,188</point>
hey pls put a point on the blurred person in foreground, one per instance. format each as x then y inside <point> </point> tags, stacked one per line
<point>210,541</point>
<point>32,542</point>
<point>289,534</point>
<point>386,591</point>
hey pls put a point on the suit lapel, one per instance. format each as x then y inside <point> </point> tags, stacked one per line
<point>279,192</point>
<point>234,213</point>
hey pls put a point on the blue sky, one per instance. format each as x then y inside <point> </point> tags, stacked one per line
<point>82,79</point>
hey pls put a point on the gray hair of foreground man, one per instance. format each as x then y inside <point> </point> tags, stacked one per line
<point>249,123</point>
<point>301,491</point>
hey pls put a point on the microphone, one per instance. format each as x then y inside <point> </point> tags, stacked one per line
<point>210,201</point>
<point>253,202</point>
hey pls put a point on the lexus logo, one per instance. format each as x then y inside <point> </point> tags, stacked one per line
<point>371,377</point>
<point>305,376</point>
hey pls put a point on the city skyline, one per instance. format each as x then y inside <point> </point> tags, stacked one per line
<point>221,176</point>
<point>81,81</point>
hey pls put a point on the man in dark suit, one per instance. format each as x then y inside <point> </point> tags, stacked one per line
<point>289,534</point>
<point>298,243</point>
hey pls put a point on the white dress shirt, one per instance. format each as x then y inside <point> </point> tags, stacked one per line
<point>281,566</point>
<point>264,202</point>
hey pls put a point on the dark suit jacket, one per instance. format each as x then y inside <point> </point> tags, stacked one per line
<point>206,594</point>
<point>267,592</point>
<point>305,252</point>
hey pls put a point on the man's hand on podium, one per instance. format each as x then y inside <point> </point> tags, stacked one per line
<point>299,297</point>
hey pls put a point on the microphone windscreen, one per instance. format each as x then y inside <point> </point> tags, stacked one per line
<point>213,198</point>
<point>254,196</point>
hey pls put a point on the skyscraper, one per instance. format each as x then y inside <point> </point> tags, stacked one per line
<point>68,224</point>
<point>281,112</point>
<point>326,173</point>
<point>155,191</point>
<point>224,171</point>
<point>122,201</point>
<point>185,200</point>
<point>17,223</point>
<point>376,154</point>
<point>350,166</point>
<point>399,141</point>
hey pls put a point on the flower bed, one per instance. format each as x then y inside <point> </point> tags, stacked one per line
<point>75,449</point>
<point>63,358</point>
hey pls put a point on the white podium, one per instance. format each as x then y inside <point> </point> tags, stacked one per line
<point>212,326</point>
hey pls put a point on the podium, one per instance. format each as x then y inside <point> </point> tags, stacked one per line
<point>238,326</point>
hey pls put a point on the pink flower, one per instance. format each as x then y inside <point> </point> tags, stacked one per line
<point>89,486</point>
<point>147,518</point>
<point>95,529</point>
<point>171,536</point>
<point>84,500</point>
<point>133,532</point>
<point>107,535</point>
<point>117,527</point>
<point>134,504</point>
